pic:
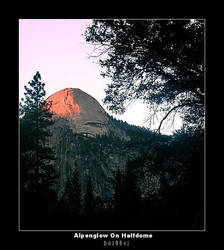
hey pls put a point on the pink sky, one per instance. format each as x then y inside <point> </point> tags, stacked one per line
<point>56,48</point>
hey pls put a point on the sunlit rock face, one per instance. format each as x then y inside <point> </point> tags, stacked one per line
<point>78,119</point>
<point>83,112</point>
<point>63,104</point>
<point>79,122</point>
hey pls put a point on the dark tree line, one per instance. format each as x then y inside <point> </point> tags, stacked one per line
<point>161,189</point>
<point>72,196</point>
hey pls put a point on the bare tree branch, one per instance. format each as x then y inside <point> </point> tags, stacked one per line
<point>173,109</point>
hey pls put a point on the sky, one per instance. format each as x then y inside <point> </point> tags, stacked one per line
<point>58,50</point>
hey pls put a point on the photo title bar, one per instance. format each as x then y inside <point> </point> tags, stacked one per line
<point>112,236</point>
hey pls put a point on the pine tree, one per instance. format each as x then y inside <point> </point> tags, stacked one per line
<point>73,193</point>
<point>118,191</point>
<point>36,156</point>
<point>126,196</point>
<point>89,199</point>
<point>132,191</point>
<point>98,205</point>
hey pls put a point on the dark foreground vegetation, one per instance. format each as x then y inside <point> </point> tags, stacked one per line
<point>160,62</point>
<point>176,203</point>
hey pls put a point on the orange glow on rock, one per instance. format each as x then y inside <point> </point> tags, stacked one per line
<point>63,103</point>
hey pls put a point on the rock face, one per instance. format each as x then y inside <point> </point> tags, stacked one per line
<point>85,137</point>
<point>78,120</point>
<point>84,114</point>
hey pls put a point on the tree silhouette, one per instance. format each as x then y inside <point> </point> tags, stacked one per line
<point>73,193</point>
<point>132,190</point>
<point>158,61</point>
<point>118,198</point>
<point>89,199</point>
<point>36,156</point>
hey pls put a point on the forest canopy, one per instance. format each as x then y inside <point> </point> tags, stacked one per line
<point>158,61</point>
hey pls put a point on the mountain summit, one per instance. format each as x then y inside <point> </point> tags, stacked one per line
<point>84,113</point>
<point>86,138</point>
